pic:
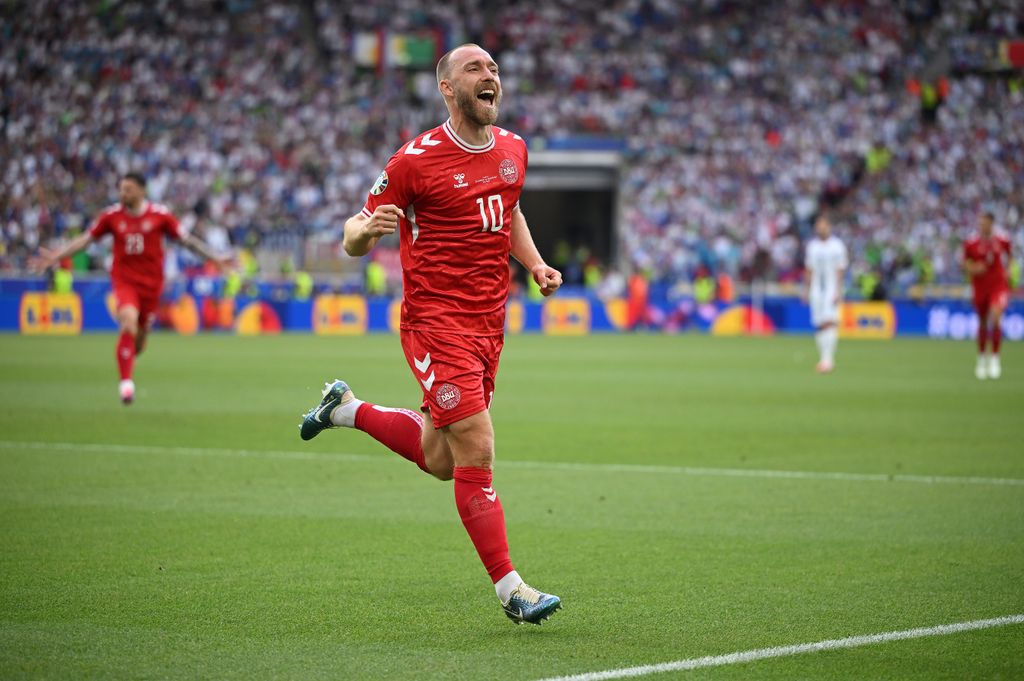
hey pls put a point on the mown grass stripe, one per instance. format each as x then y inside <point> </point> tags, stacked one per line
<point>543,465</point>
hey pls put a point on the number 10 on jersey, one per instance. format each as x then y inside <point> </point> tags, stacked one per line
<point>497,217</point>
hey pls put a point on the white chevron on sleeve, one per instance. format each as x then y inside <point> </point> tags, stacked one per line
<point>422,364</point>
<point>411,148</point>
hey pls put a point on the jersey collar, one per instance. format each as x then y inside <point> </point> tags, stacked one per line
<point>142,209</point>
<point>462,144</point>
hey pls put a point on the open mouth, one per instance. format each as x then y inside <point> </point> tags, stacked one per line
<point>487,96</point>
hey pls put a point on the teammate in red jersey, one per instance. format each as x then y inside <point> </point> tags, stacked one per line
<point>986,257</point>
<point>453,194</point>
<point>138,228</point>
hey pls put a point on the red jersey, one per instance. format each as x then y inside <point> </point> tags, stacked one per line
<point>138,242</point>
<point>456,235</point>
<point>995,253</point>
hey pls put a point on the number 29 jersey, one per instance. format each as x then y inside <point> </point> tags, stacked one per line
<point>458,200</point>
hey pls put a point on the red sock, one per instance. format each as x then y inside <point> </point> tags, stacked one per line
<point>400,430</point>
<point>483,518</point>
<point>997,338</point>
<point>982,336</point>
<point>125,354</point>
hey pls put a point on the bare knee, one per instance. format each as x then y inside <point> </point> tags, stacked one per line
<point>482,458</point>
<point>472,441</point>
<point>128,320</point>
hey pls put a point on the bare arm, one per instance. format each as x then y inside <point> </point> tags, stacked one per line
<point>974,267</point>
<point>362,233</point>
<point>48,258</point>
<point>840,273</point>
<point>525,251</point>
<point>203,250</point>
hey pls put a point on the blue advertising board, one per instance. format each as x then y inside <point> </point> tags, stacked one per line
<point>26,307</point>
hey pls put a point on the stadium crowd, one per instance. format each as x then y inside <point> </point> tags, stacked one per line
<point>741,120</point>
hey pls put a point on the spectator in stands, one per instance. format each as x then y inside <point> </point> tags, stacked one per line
<point>739,124</point>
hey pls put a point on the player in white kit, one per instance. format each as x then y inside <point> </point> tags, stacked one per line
<point>825,263</point>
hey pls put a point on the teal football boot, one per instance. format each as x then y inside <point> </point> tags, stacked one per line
<point>318,418</point>
<point>526,604</point>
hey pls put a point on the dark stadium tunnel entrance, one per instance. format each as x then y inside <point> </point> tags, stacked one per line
<point>571,225</point>
<point>571,203</point>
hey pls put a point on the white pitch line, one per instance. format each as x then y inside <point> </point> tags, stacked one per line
<point>786,651</point>
<point>543,465</point>
<point>762,473</point>
<point>187,451</point>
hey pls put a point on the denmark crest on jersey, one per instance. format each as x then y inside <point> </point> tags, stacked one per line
<point>381,184</point>
<point>508,171</point>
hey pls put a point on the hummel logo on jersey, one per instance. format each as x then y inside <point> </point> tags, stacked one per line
<point>490,493</point>
<point>460,180</point>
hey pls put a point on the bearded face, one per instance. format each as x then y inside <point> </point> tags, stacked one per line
<point>985,225</point>
<point>131,193</point>
<point>479,102</point>
<point>475,84</point>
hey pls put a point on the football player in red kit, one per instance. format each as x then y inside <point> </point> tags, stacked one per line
<point>138,228</point>
<point>986,258</point>
<point>453,195</point>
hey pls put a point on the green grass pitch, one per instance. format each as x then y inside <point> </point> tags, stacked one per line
<point>194,535</point>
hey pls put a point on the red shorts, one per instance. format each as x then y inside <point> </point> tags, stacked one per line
<point>142,299</point>
<point>987,299</point>
<point>455,372</point>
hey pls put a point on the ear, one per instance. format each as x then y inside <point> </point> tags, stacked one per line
<point>446,88</point>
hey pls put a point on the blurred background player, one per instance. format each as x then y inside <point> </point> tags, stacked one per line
<point>454,194</point>
<point>825,263</point>
<point>137,274</point>
<point>986,257</point>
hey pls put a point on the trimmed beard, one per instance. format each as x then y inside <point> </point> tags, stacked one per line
<point>467,103</point>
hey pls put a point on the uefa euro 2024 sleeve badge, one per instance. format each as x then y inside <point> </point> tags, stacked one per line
<point>381,184</point>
